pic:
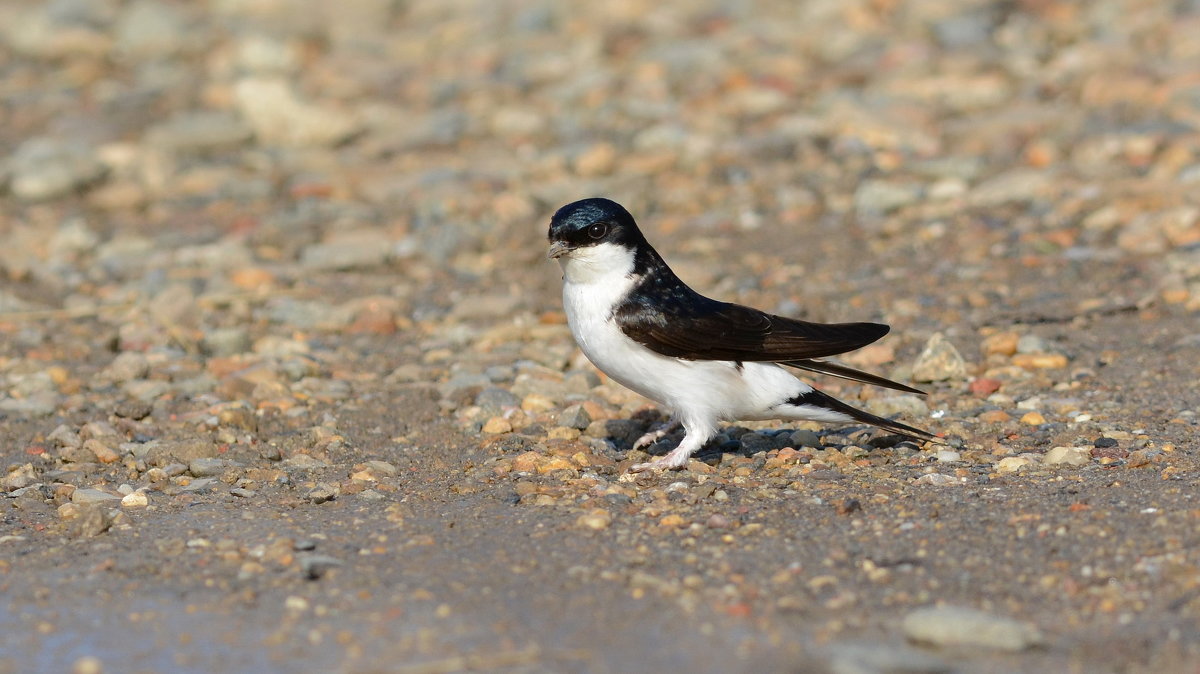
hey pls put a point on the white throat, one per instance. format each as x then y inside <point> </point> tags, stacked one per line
<point>602,263</point>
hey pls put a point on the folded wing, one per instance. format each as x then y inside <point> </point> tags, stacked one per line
<point>681,323</point>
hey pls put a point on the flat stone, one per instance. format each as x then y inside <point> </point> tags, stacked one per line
<point>149,29</point>
<point>494,400</point>
<point>959,626</point>
<point>381,468</point>
<point>352,250</point>
<point>315,566</point>
<point>200,132</point>
<point>208,467</point>
<point>1071,456</point>
<point>46,168</point>
<point>304,462</point>
<point>280,117</point>
<point>879,658</point>
<point>136,499</point>
<point>1013,464</point>
<point>805,438</point>
<point>89,495</point>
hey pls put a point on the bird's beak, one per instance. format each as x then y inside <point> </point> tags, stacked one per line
<point>558,249</point>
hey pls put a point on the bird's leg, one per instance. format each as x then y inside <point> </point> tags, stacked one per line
<point>678,457</point>
<point>654,436</point>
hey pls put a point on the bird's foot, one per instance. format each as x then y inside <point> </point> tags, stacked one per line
<point>656,435</point>
<point>669,461</point>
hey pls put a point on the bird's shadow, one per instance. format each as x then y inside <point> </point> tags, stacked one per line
<point>624,432</point>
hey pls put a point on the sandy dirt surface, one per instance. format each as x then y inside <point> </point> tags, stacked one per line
<point>285,384</point>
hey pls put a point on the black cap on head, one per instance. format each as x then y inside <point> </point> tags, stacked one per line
<point>592,221</point>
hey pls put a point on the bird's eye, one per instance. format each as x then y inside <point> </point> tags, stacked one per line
<point>597,231</point>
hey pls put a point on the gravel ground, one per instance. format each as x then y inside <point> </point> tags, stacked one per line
<point>285,384</point>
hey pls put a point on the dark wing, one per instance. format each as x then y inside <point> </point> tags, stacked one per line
<point>836,370</point>
<point>671,319</point>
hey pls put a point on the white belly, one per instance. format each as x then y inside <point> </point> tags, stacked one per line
<point>716,389</point>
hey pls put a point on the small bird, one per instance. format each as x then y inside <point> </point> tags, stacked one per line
<point>706,361</point>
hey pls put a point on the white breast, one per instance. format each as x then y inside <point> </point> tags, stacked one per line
<point>595,280</point>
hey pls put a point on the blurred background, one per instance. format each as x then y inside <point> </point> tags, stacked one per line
<point>291,137</point>
<point>284,377</point>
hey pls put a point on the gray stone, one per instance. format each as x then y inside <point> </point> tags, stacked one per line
<point>493,400</point>
<point>861,657</point>
<point>322,492</point>
<point>87,496</point>
<point>485,306</point>
<point>279,117</point>
<point>37,405</point>
<point>939,361</point>
<point>353,250</point>
<point>65,436</point>
<point>208,467</point>
<point>200,132</point>
<point>462,382</point>
<point>903,404</point>
<point>753,443</point>
<point>199,485</point>
<point>152,29</point>
<point>20,477</point>
<point>168,453</point>
<point>315,566</point>
<point>960,626</point>
<point>46,168</point>
<point>126,366</point>
<point>133,409</point>
<point>225,341</point>
<point>304,462</point>
<point>146,391</point>
<point>260,54</point>
<point>575,416</point>
<point>92,520</point>
<point>874,198</point>
<point>381,468</point>
<point>970,28</point>
<point>804,438</point>
<point>1031,344</point>
<point>310,314</point>
<point>48,30</point>
<point>73,237</point>
<point>581,382</point>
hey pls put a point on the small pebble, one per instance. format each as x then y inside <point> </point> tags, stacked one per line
<point>597,518</point>
<point>1012,464</point>
<point>1072,456</point>
<point>939,361</point>
<point>575,416</point>
<point>322,492</point>
<point>315,566</point>
<point>1039,361</point>
<point>136,499</point>
<point>497,425</point>
<point>1033,419</point>
<point>1001,343</point>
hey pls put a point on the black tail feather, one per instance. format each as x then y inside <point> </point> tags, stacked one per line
<point>836,370</point>
<point>826,401</point>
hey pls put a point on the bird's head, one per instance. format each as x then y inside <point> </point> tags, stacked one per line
<point>583,229</point>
